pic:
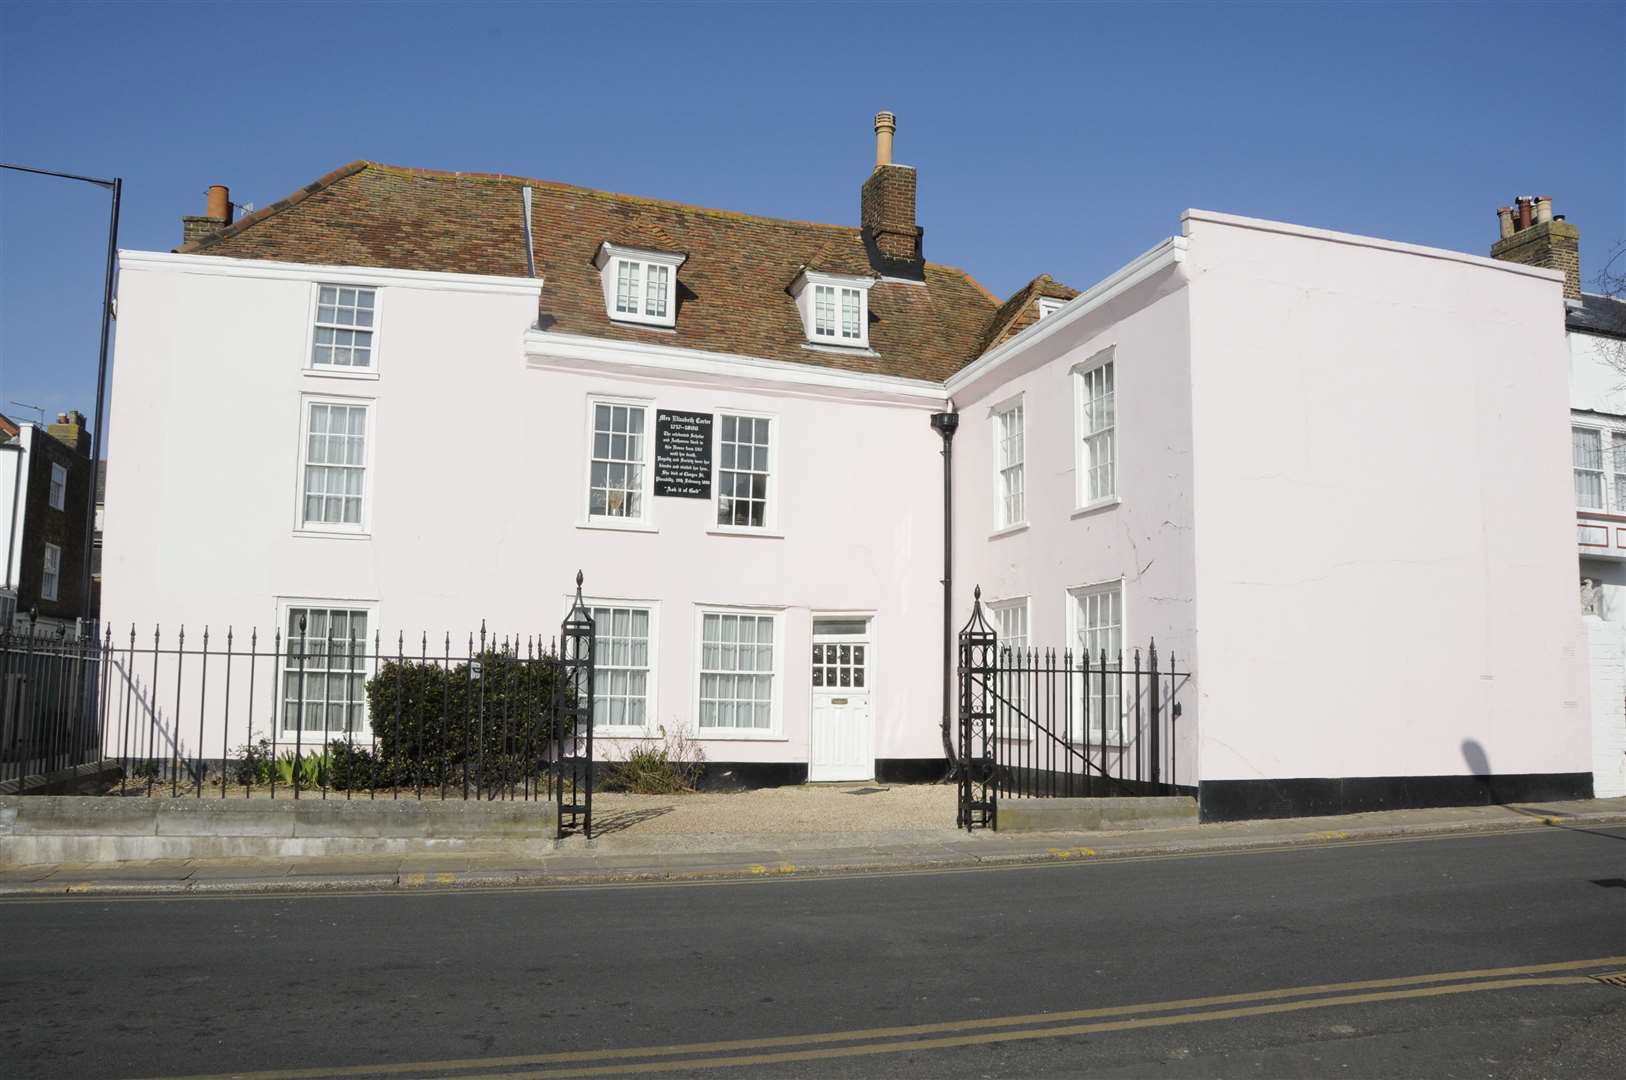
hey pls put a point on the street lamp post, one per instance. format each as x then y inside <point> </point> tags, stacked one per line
<point>116,186</point>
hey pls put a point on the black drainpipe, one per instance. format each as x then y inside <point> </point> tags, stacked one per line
<point>945,424</point>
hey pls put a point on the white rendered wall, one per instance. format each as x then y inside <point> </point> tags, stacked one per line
<point>1385,559</point>
<point>476,491</point>
<point>1606,654</point>
<point>1145,539</point>
<point>1597,368</point>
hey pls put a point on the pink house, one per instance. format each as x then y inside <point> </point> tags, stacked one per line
<point>431,397</point>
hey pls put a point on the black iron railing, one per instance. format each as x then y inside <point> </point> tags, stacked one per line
<point>317,711</point>
<point>1047,723</point>
<point>51,685</point>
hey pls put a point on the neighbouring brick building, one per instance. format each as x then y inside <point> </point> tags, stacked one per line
<point>43,491</point>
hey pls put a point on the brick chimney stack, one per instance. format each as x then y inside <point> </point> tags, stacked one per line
<point>216,216</point>
<point>69,430</point>
<point>1531,235</point>
<point>888,198</point>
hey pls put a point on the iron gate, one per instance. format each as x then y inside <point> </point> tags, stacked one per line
<point>1046,723</point>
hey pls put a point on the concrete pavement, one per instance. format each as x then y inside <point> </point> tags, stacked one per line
<point>631,857</point>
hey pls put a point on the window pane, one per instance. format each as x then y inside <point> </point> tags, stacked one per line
<point>743,471</point>
<point>736,670</point>
<point>616,471</point>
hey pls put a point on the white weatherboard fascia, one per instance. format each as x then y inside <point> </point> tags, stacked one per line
<point>1169,253</point>
<point>543,345</point>
<point>1356,240</point>
<point>219,266</point>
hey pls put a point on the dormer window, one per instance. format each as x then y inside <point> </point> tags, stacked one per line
<point>638,284</point>
<point>835,308</point>
<point>1049,305</point>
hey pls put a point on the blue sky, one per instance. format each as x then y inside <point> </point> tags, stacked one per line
<point>1062,138</point>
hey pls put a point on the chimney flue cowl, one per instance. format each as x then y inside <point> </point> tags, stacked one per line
<point>886,125</point>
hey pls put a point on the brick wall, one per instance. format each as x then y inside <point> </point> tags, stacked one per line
<point>888,211</point>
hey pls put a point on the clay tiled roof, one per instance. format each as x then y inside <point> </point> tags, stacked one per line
<point>1022,310</point>
<point>732,292</point>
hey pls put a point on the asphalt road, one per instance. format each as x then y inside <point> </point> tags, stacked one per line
<point>1473,957</point>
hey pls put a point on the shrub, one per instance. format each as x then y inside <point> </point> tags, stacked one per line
<point>433,723</point>
<point>667,767</point>
<point>253,764</point>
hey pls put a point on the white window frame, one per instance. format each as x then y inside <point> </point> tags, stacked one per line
<point>51,573</point>
<point>646,519</point>
<point>1074,594</point>
<point>340,371</point>
<point>652,670</point>
<point>996,421</point>
<point>610,260</point>
<point>1611,471</point>
<point>369,473</point>
<point>999,608</point>
<point>364,647</point>
<point>770,514</point>
<point>806,290</point>
<point>1049,305</point>
<point>776,727</point>
<point>57,494</point>
<point>1081,373</point>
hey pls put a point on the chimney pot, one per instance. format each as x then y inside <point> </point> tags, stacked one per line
<point>1544,208</point>
<point>219,204</point>
<point>1504,217</point>
<point>886,125</point>
<point>1524,212</point>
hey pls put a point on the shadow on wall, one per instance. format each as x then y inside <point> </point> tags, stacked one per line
<point>1479,765</point>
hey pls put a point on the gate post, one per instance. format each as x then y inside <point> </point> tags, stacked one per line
<point>577,640</point>
<point>978,656</point>
<point>1155,770</point>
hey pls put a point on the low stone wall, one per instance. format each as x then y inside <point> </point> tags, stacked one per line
<point>1096,814</point>
<point>91,829</point>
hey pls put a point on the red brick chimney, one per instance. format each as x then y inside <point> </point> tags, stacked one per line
<point>216,216</point>
<point>888,198</point>
<point>1531,235</point>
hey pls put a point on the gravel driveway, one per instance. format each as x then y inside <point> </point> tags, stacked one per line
<point>811,808</point>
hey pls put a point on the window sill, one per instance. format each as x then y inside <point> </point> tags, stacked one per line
<point>1020,526</point>
<point>326,372</point>
<point>855,349</point>
<point>334,534</point>
<point>621,318</point>
<point>618,526</point>
<point>744,530</point>
<point>622,733</point>
<point>735,735</point>
<point>1096,506</point>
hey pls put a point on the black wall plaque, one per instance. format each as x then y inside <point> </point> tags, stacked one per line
<point>683,454</point>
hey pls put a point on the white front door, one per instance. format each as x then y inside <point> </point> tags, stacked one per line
<point>843,738</point>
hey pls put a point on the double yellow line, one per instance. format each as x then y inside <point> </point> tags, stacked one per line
<point>953,1033</point>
